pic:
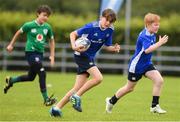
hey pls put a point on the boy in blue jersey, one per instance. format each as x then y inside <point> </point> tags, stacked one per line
<point>99,33</point>
<point>141,64</point>
<point>37,32</point>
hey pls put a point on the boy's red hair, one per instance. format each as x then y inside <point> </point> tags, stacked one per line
<point>151,18</point>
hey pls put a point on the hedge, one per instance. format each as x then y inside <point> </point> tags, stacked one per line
<point>63,24</point>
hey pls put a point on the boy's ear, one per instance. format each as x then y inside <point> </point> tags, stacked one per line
<point>147,25</point>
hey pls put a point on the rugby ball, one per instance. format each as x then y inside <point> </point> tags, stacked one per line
<point>84,42</point>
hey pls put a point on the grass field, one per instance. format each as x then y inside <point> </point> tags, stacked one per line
<point>24,102</point>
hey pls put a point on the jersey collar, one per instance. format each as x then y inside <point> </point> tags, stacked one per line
<point>38,23</point>
<point>101,27</point>
<point>148,33</point>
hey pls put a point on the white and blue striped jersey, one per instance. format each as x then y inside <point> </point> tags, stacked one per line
<point>97,36</point>
<point>140,61</point>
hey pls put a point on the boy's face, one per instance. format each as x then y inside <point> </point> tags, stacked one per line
<point>42,17</point>
<point>104,23</point>
<point>154,27</point>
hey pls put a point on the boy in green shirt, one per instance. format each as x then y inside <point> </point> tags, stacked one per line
<point>37,31</point>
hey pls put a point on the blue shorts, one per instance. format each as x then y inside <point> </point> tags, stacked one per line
<point>84,63</point>
<point>134,77</point>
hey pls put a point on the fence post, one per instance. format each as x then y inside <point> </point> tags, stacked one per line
<point>126,54</point>
<point>63,60</point>
<point>159,62</point>
<point>4,57</point>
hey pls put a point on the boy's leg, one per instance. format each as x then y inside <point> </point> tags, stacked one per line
<point>95,80</point>
<point>39,69</point>
<point>129,87</point>
<point>29,77</point>
<point>80,80</point>
<point>157,79</point>
<point>11,80</point>
<point>110,102</point>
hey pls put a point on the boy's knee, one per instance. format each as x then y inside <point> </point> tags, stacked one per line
<point>159,81</point>
<point>131,90</point>
<point>42,72</point>
<point>99,79</point>
<point>31,78</point>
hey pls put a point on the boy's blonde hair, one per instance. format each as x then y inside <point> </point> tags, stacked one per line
<point>151,18</point>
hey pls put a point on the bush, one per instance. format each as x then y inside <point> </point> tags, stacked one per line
<point>64,24</point>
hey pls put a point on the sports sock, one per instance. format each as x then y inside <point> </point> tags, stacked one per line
<point>155,101</point>
<point>14,79</point>
<point>44,94</point>
<point>113,100</point>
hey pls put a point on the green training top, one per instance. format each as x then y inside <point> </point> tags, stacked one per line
<point>36,35</point>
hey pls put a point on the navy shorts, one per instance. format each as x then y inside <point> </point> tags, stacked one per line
<point>134,77</point>
<point>34,57</point>
<point>84,63</point>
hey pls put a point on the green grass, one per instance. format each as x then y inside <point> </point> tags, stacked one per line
<point>24,102</point>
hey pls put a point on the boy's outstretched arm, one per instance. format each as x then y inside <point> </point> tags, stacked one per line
<point>52,52</point>
<point>162,40</point>
<point>114,48</point>
<point>10,46</point>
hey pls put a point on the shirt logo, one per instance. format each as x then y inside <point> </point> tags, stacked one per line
<point>107,35</point>
<point>45,31</point>
<point>152,42</point>
<point>133,78</point>
<point>99,41</point>
<point>39,37</point>
<point>32,48</point>
<point>37,59</point>
<point>33,30</point>
<point>96,34</point>
<point>90,63</point>
<point>42,69</point>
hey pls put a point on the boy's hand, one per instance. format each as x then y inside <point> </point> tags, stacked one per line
<point>52,62</point>
<point>117,47</point>
<point>9,48</point>
<point>79,48</point>
<point>163,39</point>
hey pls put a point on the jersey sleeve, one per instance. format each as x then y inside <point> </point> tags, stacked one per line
<point>145,43</point>
<point>24,28</point>
<point>50,33</point>
<point>84,30</point>
<point>108,42</point>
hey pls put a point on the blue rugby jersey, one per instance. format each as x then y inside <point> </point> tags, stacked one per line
<point>140,61</point>
<point>97,36</point>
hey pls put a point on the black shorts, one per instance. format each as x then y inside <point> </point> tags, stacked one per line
<point>34,57</point>
<point>134,77</point>
<point>84,63</point>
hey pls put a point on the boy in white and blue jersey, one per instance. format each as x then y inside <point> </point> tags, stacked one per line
<point>141,64</point>
<point>140,60</point>
<point>100,34</point>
